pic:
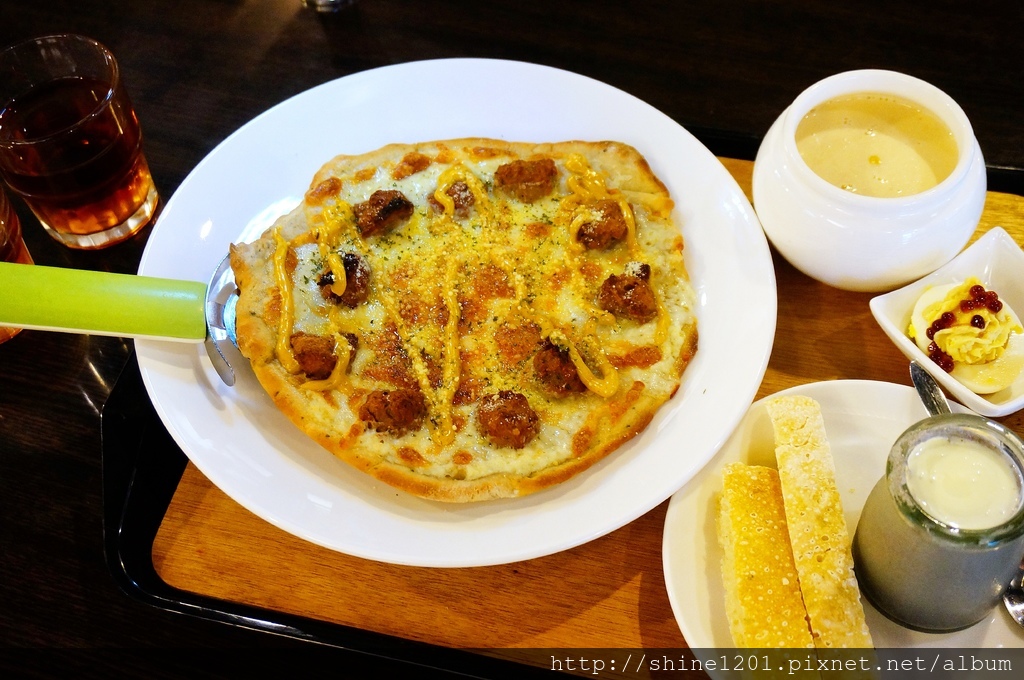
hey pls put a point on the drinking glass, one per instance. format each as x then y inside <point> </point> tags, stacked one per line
<point>327,6</point>
<point>70,142</point>
<point>12,248</point>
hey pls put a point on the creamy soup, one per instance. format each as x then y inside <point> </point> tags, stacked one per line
<point>877,145</point>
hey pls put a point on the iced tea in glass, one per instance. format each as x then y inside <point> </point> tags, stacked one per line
<point>70,142</point>
<point>12,248</point>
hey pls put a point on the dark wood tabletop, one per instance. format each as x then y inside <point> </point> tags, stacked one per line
<point>199,69</point>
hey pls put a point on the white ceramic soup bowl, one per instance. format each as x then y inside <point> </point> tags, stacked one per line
<point>858,242</point>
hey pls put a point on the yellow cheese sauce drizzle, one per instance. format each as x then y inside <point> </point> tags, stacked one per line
<point>326,233</point>
<point>439,400</point>
<point>419,367</point>
<point>607,384</point>
<point>587,186</point>
<point>573,247</point>
<point>661,330</point>
<point>340,217</point>
<point>443,398</point>
<point>283,348</point>
<point>337,218</point>
<point>604,386</point>
<point>458,173</point>
<point>336,379</point>
<point>452,356</point>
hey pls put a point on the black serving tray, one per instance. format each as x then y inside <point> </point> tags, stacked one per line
<point>142,466</point>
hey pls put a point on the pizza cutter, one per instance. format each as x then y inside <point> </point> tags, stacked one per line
<point>124,305</point>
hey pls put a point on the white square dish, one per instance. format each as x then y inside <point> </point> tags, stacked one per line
<point>998,262</point>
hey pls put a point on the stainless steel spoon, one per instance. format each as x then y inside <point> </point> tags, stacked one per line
<point>931,394</point>
<point>1013,598</point>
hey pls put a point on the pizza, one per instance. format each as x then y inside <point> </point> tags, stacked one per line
<point>471,319</point>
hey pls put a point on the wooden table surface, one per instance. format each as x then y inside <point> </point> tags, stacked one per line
<point>199,69</point>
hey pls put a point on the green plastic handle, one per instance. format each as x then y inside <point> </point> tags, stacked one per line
<point>101,303</point>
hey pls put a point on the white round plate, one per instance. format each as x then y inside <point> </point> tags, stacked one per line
<point>239,440</point>
<point>862,420</point>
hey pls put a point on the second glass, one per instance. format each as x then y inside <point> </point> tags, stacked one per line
<point>327,6</point>
<point>12,248</point>
<point>70,142</point>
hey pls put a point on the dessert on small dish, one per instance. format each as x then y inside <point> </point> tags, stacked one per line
<point>962,324</point>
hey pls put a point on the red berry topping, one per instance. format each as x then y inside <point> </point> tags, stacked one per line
<point>944,361</point>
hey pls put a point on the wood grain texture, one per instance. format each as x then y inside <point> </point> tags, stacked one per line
<point>607,593</point>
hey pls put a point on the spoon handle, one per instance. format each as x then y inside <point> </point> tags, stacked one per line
<point>929,391</point>
<point>101,303</point>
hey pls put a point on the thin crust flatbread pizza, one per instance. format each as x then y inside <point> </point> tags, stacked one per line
<point>471,319</point>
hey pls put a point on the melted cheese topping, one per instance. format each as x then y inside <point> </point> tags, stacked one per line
<point>448,283</point>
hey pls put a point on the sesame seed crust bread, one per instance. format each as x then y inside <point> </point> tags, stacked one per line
<point>817,528</point>
<point>763,600</point>
<point>471,319</point>
<point>786,561</point>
